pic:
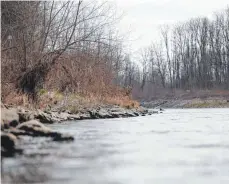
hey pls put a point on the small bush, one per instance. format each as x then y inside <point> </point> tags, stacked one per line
<point>42,92</point>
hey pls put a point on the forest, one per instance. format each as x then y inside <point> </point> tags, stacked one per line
<point>191,55</point>
<point>75,47</point>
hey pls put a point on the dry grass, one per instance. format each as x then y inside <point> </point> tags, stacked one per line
<point>73,102</point>
<point>202,94</point>
<point>216,103</point>
<point>191,94</point>
<point>125,102</point>
<point>17,99</point>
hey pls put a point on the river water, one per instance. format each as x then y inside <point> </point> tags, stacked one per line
<point>178,146</point>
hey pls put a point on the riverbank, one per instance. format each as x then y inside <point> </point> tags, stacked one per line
<point>17,122</point>
<point>211,102</point>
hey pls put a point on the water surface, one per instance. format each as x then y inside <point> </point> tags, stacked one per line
<point>179,146</point>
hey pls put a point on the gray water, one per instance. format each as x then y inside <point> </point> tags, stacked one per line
<point>179,146</point>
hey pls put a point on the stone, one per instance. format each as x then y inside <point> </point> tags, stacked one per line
<point>116,114</point>
<point>61,137</point>
<point>8,143</point>
<point>35,128</point>
<point>26,115</point>
<point>84,115</point>
<point>63,116</point>
<point>116,109</point>
<point>18,132</point>
<point>74,117</point>
<point>2,105</point>
<point>9,118</point>
<point>136,113</point>
<point>8,140</point>
<point>44,117</point>
<point>93,114</point>
<point>99,114</point>
<point>103,113</point>
<point>130,113</point>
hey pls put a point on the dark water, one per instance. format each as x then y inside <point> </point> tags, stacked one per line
<point>178,146</point>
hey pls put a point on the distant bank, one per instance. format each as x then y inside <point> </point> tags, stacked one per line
<point>212,102</point>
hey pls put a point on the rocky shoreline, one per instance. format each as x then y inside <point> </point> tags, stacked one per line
<point>18,122</point>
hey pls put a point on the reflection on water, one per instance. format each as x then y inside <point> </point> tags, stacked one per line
<point>178,146</point>
<point>25,173</point>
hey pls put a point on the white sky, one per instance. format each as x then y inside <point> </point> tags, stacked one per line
<point>142,18</point>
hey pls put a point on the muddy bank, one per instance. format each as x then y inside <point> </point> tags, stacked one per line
<point>19,122</point>
<point>188,103</point>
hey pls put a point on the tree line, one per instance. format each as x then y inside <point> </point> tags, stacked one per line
<point>192,55</point>
<point>74,46</point>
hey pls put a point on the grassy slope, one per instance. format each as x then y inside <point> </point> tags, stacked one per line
<point>70,102</point>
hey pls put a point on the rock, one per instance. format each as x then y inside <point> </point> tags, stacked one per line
<point>93,114</point>
<point>9,118</point>
<point>135,112</point>
<point>26,115</point>
<point>47,111</point>
<point>61,137</point>
<point>45,118</point>
<point>142,111</point>
<point>50,117</point>
<point>3,106</point>
<point>2,125</point>
<point>103,113</point>
<point>154,112</point>
<point>8,140</point>
<point>99,114</point>
<point>150,112</point>
<point>53,117</point>
<point>74,117</point>
<point>116,109</point>
<point>121,112</point>
<point>35,128</point>
<point>8,143</point>
<point>63,116</point>
<point>14,123</point>
<point>84,115</point>
<point>130,113</point>
<point>18,132</point>
<point>117,114</point>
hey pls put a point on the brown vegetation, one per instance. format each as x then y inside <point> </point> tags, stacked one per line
<point>72,47</point>
<point>66,47</point>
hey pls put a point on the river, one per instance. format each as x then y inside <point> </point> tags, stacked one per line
<point>178,146</point>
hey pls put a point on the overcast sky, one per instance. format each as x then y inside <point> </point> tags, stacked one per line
<point>143,17</point>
